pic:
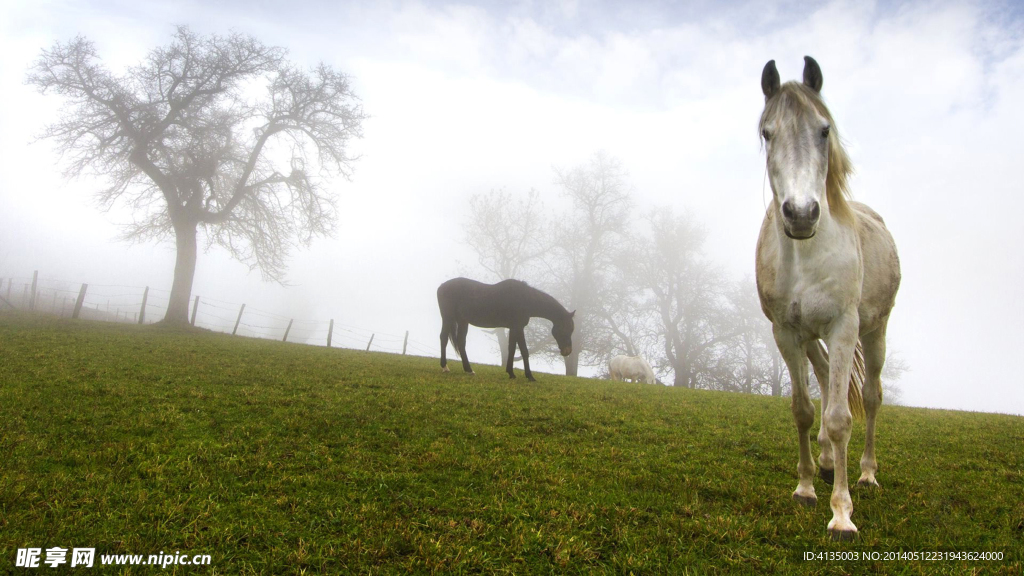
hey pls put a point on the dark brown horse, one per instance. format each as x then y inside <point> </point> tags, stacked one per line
<point>507,304</point>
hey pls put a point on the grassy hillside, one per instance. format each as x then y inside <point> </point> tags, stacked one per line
<point>283,458</point>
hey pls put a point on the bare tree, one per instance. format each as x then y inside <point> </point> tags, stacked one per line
<point>630,323</point>
<point>893,369</point>
<point>778,374</point>
<point>749,361</point>
<point>685,289</point>
<point>507,234</point>
<point>182,141</point>
<point>585,252</point>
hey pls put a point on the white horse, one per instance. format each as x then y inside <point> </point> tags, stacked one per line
<point>632,368</point>
<point>827,270</point>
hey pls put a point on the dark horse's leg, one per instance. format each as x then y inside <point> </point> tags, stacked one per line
<point>461,344</point>
<point>520,338</point>
<point>447,327</point>
<point>513,340</point>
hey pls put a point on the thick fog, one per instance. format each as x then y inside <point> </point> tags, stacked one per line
<point>465,98</point>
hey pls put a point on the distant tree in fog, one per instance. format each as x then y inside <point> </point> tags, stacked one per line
<point>894,368</point>
<point>749,362</point>
<point>580,265</point>
<point>630,325</point>
<point>508,235</point>
<point>184,140</point>
<point>685,289</point>
<point>506,232</point>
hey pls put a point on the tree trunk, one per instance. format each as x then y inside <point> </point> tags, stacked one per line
<point>184,274</point>
<point>776,376</point>
<point>683,377</point>
<point>748,376</point>
<point>572,363</point>
<point>502,335</point>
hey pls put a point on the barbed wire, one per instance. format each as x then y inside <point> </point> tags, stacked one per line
<point>123,303</point>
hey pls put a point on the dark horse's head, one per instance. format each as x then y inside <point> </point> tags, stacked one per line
<point>562,331</point>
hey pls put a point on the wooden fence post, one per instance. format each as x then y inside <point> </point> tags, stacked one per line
<point>32,299</point>
<point>142,311</point>
<point>405,342</point>
<point>80,301</point>
<point>195,307</point>
<point>330,332</point>
<point>370,342</point>
<point>238,320</point>
<point>287,330</point>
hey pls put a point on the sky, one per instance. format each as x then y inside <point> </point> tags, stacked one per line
<point>465,98</point>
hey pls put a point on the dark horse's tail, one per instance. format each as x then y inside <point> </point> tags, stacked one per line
<point>453,338</point>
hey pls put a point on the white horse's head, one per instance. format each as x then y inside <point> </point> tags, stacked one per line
<point>807,166</point>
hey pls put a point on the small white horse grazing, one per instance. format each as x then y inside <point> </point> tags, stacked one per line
<point>632,368</point>
<point>827,270</point>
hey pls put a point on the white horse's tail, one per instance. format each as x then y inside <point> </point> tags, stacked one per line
<point>853,394</point>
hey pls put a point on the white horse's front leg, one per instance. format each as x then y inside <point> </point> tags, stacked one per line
<point>803,411</point>
<point>819,361</point>
<point>838,420</point>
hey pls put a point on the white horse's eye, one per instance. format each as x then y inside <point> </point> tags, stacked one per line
<point>825,131</point>
<point>766,135</point>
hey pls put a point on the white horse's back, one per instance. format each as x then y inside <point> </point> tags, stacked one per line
<point>633,368</point>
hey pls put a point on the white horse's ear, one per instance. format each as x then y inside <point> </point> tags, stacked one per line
<point>812,74</point>
<point>769,79</point>
<point>571,314</point>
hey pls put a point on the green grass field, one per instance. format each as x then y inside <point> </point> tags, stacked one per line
<point>284,458</point>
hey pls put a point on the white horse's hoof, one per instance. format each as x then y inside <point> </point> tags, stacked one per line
<point>806,501</point>
<point>828,475</point>
<point>841,530</point>
<point>842,535</point>
<point>868,483</point>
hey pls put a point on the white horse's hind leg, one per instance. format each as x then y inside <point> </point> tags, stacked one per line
<point>874,358</point>
<point>803,413</point>
<point>839,421</point>
<point>819,361</point>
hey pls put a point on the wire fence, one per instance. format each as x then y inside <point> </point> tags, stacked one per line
<point>146,305</point>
